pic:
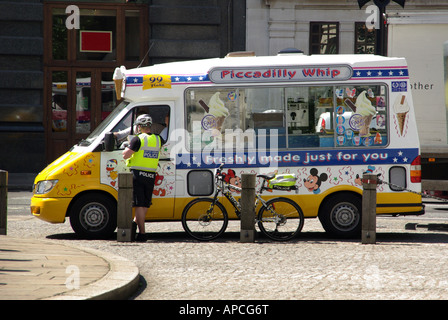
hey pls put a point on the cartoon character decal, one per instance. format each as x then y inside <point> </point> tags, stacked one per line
<point>358,178</point>
<point>314,181</point>
<point>231,178</point>
<point>111,169</point>
<point>157,183</point>
<point>370,170</point>
<point>111,165</point>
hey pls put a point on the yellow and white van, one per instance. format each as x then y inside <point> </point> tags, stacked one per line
<point>255,114</point>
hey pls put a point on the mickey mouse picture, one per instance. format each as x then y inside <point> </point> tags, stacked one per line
<point>313,182</point>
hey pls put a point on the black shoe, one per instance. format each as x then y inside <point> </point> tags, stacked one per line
<point>141,237</point>
<point>133,230</point>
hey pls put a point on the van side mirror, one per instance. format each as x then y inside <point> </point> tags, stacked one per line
<point>109,141</point>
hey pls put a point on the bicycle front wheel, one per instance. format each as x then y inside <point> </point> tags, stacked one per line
<point>281,219</point>
<point>204,219</point>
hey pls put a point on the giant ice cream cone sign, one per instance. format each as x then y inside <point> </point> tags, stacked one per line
<point>364,110</point>
<point>401,109</point>
<point>118,78</point>
<point>217,110</point>
<point>367,111</point>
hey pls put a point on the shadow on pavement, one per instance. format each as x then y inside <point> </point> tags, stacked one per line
<point>438,235</point>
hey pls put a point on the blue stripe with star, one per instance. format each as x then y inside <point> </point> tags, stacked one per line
<point>381,73</point>
<point>334,157</point>
<point>138,80</point>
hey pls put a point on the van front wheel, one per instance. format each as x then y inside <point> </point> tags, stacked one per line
<point>94,216</point>
<point>340,215</point>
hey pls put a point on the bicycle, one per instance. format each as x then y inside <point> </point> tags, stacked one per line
<point>206,219</point>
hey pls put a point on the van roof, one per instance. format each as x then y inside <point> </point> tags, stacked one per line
<point>203,65</point>
<point>198,71</point>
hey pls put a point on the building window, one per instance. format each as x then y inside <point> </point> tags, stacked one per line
<point>59,34</point>
<point>79,63</point>
<point>96,38</point>
<point>365,39</point>
<point>110,34</point>
<point>324,38</point>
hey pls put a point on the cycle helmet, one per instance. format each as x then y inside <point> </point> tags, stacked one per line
<point>144,120</point>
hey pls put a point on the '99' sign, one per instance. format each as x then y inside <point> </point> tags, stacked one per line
<point>153,81</point>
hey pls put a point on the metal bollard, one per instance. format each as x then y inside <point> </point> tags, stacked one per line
<point>247,233</point>
<point>3,201</point>
<point>369,184</point>
<point>124,208</point>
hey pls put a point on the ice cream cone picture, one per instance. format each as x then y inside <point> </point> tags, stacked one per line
<point>217,111</point>
<point>401,120</point>
<point>364,129</point>
<point>365,111</point>
<point>118,87</point>
<point>118,78</point>
<point>401,109</point>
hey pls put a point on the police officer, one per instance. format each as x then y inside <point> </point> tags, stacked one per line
<point>142,157</point>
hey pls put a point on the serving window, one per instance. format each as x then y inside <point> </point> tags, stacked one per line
<point>286,117</point>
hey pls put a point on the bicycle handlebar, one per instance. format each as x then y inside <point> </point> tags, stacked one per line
<point>220,177</point>
<point>219,174</point>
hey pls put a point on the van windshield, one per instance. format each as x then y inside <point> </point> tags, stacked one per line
<point>98,130</point>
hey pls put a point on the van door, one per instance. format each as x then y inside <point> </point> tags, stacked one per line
<point>112,162</point>
<point>164,188</point>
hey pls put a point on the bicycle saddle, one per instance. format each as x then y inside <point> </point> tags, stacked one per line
<point>266,176</point>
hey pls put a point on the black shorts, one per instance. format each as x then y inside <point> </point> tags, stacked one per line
<point>143,184</point>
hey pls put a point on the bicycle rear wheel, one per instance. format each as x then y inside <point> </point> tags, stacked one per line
<point>281,219</point>
<point>204,220</point>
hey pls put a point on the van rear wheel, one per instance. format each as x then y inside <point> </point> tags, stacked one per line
<point>340,215</point>
<point>94,216</point>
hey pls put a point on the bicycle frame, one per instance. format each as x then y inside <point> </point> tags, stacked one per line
<point>225,187</point>
<point>227,193</point>
<point>270,224</point>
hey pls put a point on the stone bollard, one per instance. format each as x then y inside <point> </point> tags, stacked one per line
<point>124,208</point>
<point>247,233</point>
<point>369,184</point>
<point>3,201</point>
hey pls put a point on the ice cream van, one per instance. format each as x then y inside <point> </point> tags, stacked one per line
<point>255,114</point>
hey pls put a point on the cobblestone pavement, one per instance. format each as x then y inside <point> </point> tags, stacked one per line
<point>403,264</point>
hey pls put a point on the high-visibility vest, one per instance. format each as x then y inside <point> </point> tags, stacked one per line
<point>147,157</point>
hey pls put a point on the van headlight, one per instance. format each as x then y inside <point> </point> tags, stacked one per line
<point>45,186</point>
